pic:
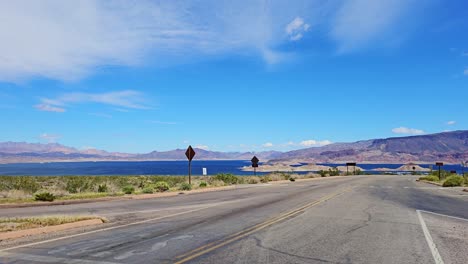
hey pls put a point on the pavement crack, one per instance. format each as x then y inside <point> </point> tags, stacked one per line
<point>259,244</point>
<point>366,222</point>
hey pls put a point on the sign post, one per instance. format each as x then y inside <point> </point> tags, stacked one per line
<point>255,161</point>
<point>439,164</point>
<point>190,153</point>
<point>350,164</point>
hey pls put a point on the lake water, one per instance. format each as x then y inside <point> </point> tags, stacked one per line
<point>153,168</point>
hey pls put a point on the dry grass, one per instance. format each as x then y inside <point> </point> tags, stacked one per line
<point>21,223</point>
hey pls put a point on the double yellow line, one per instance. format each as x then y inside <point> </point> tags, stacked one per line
<point>246,232</point>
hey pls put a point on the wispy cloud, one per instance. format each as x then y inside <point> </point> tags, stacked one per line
<point>49,138</point>
<point>268,145</point>
<point>358,22</point>
<point>408,131</point>
<point>315,143</point>
<point>204,147</point>
<point>465,72</point>
<point>296,28</point>
<point>450,123</point>
<point>49,108</point>
<point>126,99</point>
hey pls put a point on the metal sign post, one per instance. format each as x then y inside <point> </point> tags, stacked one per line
<point>190,153</point>
<point>350,164</point>
<point>439,164</point>
<point>255,161</point>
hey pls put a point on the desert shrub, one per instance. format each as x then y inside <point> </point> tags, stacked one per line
<point>429,178</point>
<point>292,179</point>
<point>453,181</point>
<point>76,184</point>
<point>44,196</point>
<point>129,189</point>
<point>26,183</point>
<point>102,188</point>
<point>185,187</point>
<point>253,180</point>
<point>161,186</point>
<point>323,173</point>
<point>265,179</point>
<point>148,189</point>
<point>226,178</point>
<point>202,184</point>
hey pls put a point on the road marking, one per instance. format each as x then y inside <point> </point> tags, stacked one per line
<point>239,235</point>
<point>107,229</point>
<point>454,217</point>
<point>49,259</point>
<point>430,242</point>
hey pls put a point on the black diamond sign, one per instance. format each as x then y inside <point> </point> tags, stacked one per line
<point>255,161</point>
<point>190,153</point>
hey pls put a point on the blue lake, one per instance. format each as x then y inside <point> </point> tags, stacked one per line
<point>152,168</point>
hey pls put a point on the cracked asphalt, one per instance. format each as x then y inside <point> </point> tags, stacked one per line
<point>359,219</point>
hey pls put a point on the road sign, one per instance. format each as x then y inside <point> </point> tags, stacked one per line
<point>439,164</point>
<point>350,164</point>
<point>190,153</point>
<point>255,161</point>
<point>205,172</point>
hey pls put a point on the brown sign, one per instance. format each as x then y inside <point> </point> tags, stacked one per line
<point>255,161</point>
<point>351,164</point>
<point>190,153</point>
<point>439,164</point>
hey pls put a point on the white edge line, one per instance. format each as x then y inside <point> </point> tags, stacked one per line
<point>454,217</point>
<point>106,229</point>
<point>430,242</point>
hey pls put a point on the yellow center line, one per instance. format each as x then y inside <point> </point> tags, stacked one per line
<point>239,235</point>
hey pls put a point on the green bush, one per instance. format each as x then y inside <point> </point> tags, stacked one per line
<point>77,184</point>
<point>161,186</point>
<point>26,183</point>
<point>129,189</point>
<point>429,178</point>
<point>203,184</point>
<point>253,181</point>
<point>226,178</point>
<point>102,188</point>
<point>44,196</point>
<point>453,181</point>
<point>148,189</point>
<point>292,179</point>
<point>185,187</point>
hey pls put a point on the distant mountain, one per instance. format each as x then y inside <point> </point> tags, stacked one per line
<point>448,146</point>
<point>451,147</point>
<point>12,152</point>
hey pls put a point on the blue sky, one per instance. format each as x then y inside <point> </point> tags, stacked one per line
<point>137,76</point>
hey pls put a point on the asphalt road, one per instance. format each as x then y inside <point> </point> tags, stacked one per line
<point>361,219</point>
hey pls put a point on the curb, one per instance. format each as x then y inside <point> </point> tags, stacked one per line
<point>430,182</point>
<point>48,229</point>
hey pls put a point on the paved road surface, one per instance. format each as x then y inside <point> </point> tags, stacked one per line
<point>362,219</point>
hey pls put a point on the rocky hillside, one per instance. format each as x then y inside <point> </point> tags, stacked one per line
<point>449,147</point>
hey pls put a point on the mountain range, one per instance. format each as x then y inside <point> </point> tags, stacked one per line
<point>450,147</point>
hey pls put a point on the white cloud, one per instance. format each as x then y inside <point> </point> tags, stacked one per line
<point>451,123</point>
<point>267,145</point>
<point>315,143</point>
<point>49,108</point>
<point>126,99</point>
<point>358,22</point>
<point>50,138</point>
<point>69,40</point>
<point>408,131</point>
<point>204,147</point>
<point>296,28</point>
<point>465,72</point>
